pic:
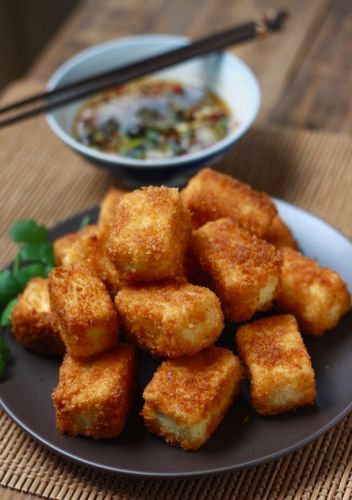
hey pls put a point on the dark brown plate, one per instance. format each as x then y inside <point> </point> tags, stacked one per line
<point>243,439</point>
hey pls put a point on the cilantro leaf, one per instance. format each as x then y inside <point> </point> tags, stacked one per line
<point>9,287</point>
<point>38,254</point>
<point>2,366</point>
<point>6,314</point>
<point>42,252</point>
<point>4,354</point>
<point>16,264</point>
<point>27,272</point>
<point>4,350</point>
<point>47,254</point>
<point>30,252</point>
<point>28,231</point>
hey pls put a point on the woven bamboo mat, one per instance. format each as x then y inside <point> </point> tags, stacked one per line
<point>41,178</point>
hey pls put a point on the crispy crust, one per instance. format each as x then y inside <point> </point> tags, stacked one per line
<point>279,368</point>
<point>64,244</point>
<point>93,398</point>
<point>279,235</point>
<point>243,270</point>
<point>108,205</point>
<point>191,393</point>
<point>83,310</point>
<point>170,319</point>
<point>89,247</point>
<point>211,195</point>
<point>33,322</point>
<point>148,238</point>
<point>316,295</point>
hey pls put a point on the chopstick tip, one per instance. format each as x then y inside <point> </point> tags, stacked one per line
<point>274,18</point>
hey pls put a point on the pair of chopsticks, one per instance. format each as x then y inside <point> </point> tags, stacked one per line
<point>47,101</point>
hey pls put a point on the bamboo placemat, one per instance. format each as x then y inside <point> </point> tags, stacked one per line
<point>43,179</point>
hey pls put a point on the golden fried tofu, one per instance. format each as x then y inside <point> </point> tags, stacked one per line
<point>32,320</point>
<point>149,235</point>
<point>83,310</point>
<point>90,248</point>
<point>279,368</point>
<point>108,205</point>
<point>211,195</point>
<point>316,295</point>
<point>64,244</point>
<point>243,269</point>
<point>279,235</point>
<point>188,397</point>
<point>170,319</point>
<point>94,397</point>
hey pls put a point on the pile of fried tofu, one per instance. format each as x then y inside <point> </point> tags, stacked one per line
<point>161,271</point>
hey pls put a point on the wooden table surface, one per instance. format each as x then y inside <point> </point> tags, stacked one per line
<point>305,72</point>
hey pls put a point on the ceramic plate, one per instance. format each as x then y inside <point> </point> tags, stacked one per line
<point>243,439</point>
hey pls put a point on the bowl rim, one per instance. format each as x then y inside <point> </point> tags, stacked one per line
<point>119,160</point>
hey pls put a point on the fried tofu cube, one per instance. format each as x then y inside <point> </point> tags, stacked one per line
<point>279,368</point>
<point>83,310</point>
<point>149,235</point>
<point>90,248</point>
<point>316,295</point>
<point>243,270</point>
<point>170,320</point>
<point>188,397</point>
<point>94,397</point>
<point>33,322</point>
<point>280,235</point>
<point>64,244</point>
<point>108,206</point>
<point>211,195</point>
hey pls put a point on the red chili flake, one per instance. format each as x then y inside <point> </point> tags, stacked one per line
<point>176,88</point>
<point>216,116</point>
<point>119,89</point>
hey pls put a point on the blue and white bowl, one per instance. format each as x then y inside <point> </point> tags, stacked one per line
<point>223,73</point>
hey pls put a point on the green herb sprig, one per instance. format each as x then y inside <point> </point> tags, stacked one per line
<point>34,258</point>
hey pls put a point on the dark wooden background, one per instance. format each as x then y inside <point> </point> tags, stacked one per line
<point>305,72</point>
<point>25,28</point>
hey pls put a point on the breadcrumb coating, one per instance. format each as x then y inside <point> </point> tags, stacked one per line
<point>279,368</point>
<point>316,295</point>
<point>94,397</point>
<point>170,319</point>
<point>108,206</point>
<point>148,238</point>
<point>90,248</point>
<point>83,310</point>
<point>64,244</point>
<point>243,269</point>
<point>33,322</point>
<point>279,235</point>
<point>211,195</point>
<point>188,397</point>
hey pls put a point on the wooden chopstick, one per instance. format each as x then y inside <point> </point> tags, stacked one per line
<point>66,94</point>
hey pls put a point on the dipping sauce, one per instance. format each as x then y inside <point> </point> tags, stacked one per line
<point>152,119</point>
